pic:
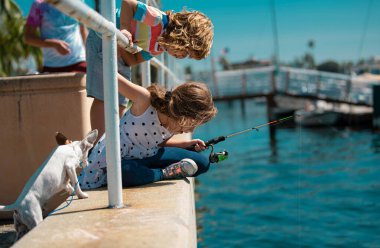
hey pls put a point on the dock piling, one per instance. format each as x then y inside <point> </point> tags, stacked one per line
<point>376,107</point>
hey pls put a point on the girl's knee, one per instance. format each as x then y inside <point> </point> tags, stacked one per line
<point>203,164</point>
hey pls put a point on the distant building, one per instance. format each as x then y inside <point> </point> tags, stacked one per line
<point>371,66</point>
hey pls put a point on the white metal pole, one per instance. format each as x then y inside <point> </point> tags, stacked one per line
<point>171,76</point>
<point>161,71</point>
<point>145,67</point>
<point>111,105</point>
<point>170,66</point>
<point>145,74</point>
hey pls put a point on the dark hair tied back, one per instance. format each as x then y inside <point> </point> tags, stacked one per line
<point>190,103</point>
<point>168,95</point>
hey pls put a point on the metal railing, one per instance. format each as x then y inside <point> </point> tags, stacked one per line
<point>291,81</point>
<point>325,86</point>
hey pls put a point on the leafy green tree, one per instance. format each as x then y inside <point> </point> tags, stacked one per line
<point>308,61</point>
<point>308,58</point>
<point>14,52</point>
<point>346,67</point>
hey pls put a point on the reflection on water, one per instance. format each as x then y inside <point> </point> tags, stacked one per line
<point>376,143</point>
<point>314,188</point>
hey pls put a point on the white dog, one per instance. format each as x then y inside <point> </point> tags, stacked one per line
<point>57,173</point>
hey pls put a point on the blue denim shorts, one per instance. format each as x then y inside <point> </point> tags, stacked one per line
<point>94,78</point>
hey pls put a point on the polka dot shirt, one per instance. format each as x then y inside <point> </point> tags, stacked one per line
<point>139,138</point>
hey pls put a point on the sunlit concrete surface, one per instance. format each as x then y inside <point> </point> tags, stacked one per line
<point>156,215</point>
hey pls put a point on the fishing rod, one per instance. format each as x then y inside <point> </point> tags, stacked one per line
<point>223,138</point>
<point>220,156</point>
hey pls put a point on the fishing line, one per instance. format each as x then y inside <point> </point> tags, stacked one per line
<point>365,28</point>
<point>301,149</point>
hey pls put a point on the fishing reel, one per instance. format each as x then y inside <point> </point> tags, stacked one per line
<point>216,157</point>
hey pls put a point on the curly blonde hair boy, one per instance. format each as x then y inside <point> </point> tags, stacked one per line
<point>188,31</point>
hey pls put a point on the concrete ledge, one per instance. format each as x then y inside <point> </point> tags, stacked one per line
<point>42,84</point>
<point>161,214</point>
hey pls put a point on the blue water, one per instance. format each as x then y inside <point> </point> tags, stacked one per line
<point>313,188</point>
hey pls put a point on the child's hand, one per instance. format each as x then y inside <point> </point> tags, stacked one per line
<point>199,145</point>
<point>128,35</point>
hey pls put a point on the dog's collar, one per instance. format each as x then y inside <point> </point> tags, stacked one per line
<point>83,163</point>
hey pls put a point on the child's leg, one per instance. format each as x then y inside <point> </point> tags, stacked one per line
<point>169,155</point>
<point>134,173</point>
<point>94,81</point>
<point>148,170</point>
<point>97,116</point>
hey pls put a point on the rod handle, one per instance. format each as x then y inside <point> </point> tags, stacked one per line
<point>209,142</point>
<point>215,140</point>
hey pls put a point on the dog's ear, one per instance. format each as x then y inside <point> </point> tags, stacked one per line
<point>91,136</point>
<point>61,139</point>
<point>88,141</point>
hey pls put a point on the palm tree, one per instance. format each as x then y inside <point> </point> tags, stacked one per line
<point>14,52</point>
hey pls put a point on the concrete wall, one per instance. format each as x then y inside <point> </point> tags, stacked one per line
<point>32,109</point>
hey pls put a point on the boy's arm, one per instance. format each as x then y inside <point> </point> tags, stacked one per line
<point>127,13</point>
<point>131,59</point>
<point>128,9</point>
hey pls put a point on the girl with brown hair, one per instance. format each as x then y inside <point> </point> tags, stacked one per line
<point>148,151</point>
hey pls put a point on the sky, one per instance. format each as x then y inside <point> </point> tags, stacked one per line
<point>342,30</point>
